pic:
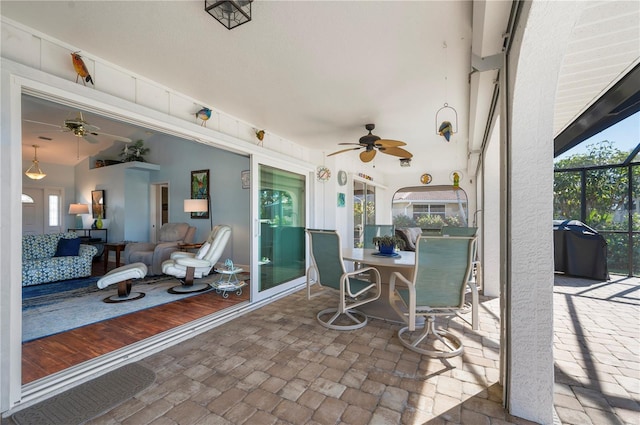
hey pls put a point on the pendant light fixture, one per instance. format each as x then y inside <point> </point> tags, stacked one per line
<point>34,172</point>
<point>230,13</point>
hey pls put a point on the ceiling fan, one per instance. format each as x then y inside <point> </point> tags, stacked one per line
<point>82,129</point>
<point>371,142</point>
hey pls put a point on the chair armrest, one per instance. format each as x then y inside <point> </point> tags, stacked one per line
<point>372,272</point>
<point>130,248</point>
<point>87,251</point>
<point>356,272</point>
<point>192,262</point>
<point>181,254</point>
<point>139,246</point>
<point>400,276</point>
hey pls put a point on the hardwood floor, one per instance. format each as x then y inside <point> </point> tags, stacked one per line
<point>48,355</point>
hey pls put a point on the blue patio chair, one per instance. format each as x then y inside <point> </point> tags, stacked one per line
<point>474,280</point>
<point>327,270</point>
<point>436,289</point>
<point>376,230</point>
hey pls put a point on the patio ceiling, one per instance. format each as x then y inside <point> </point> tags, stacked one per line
<point>315,72</point>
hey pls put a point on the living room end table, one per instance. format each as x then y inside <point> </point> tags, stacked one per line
<point>117,247</point>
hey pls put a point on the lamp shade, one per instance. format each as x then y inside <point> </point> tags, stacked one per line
<point>34,172</point>
<point>78,209</point>
<point>196,205</point>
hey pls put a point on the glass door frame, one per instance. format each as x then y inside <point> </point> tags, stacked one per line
<point>256,162</point>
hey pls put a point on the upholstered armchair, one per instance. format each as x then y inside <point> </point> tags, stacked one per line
<point>153,254</point>
<point>188,265</point>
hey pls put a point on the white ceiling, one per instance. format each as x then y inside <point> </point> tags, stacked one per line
<point>315,72</point>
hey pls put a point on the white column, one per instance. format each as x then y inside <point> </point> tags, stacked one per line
<point>534,63</point>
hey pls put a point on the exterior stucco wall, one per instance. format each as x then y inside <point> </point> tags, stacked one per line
<point>533,66</point>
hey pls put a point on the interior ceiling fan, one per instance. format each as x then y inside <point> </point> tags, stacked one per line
<point>371,143</point>
<point>82,129</point>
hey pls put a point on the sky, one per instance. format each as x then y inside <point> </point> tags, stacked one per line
<point>625,135</point>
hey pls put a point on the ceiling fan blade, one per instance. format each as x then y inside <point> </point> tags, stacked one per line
<point>42,123</point>
<point>344,143</point>
<point>366,156</point>
<point>116,137</point>
<point>89,138</point>
<point>389,143</point>
<point>343,150</point>
<point>90,128</point>
<point>397,152</point>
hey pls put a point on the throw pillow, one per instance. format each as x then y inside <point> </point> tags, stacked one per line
<point>203,251</point>
<point>68,247</point>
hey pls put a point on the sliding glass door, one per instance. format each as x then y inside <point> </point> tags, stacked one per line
<point>281,253</point>
<point>364,210</point>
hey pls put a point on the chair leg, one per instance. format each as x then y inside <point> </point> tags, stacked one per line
<point>452,343</point>
<point>475,320</point>
<point>355,317</point>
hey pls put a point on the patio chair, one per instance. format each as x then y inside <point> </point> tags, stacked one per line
<point>474,280</point>
<point>328,271</point>
<point>436,289</point>
<point>376,230</point>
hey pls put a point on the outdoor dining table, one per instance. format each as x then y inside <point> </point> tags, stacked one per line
<point>404,263</point>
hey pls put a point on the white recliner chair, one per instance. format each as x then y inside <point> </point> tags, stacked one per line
<point>189,266</point>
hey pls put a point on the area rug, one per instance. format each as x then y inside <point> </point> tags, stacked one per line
<point>50,310</point>
<point>88,400</point>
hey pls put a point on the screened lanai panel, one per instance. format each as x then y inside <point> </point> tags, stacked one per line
<point>607,198</point>
<point>566,200</point>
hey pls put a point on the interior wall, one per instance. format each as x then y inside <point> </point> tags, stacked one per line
<point>230,204</point>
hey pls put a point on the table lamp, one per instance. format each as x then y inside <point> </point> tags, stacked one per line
<point>199,206</point>
<point>78,210</point>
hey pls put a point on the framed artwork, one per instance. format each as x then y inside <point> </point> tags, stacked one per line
<point>341,200</point>
<point>200,190</point>
<point>98,204</point>
<point>245,176</point>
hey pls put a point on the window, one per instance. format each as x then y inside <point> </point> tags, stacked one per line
<point>26,199</point>
<point>430,207</point>
<point>54,210</point>
<point>364,210</point>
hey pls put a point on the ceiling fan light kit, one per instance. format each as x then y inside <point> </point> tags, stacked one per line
<point>34,172</point>
<point>372,144</point>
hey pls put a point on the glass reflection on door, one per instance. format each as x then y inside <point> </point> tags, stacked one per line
<point>282,221</point>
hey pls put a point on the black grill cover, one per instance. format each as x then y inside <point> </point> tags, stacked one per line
<point>579,250</point>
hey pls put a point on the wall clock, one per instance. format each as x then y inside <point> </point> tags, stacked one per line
<point>342,177</point>
<point>425,178</point>
<point>323,173</point>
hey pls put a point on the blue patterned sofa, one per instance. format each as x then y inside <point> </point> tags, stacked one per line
<point>39,264</point>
